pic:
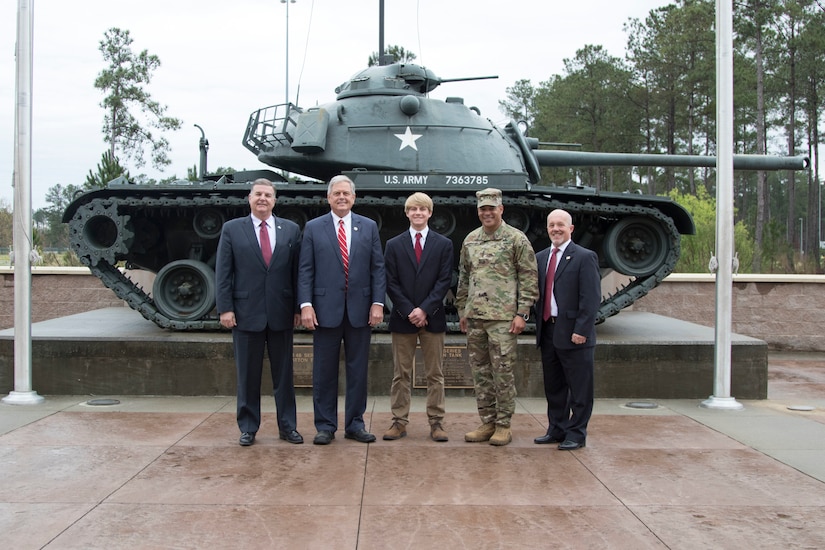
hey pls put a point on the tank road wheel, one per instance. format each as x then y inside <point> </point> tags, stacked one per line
<point>208,223</point>
<point>443,221</point>
<point>98,232</point>
<point>184,290</point>
<point>636,246</point>
<point>371,213</point>
<point>294,215</point>
<point>517,217</point>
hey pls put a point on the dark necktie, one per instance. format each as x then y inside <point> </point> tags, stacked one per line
<point>418,249</point>
<point>342,243</point>
<point>548,283</point>
<point>266,248</point>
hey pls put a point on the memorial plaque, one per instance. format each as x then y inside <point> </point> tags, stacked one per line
<point>457,372</point>
<point>302,366</point>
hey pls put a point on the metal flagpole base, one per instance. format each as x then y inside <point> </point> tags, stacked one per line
<point>23,398</point>
<point>727,403</point>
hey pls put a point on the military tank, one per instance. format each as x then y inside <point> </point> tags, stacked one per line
<point>385,133</point>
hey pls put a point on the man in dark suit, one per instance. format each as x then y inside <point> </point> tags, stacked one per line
<point>255,272</point>
<point>419,265</point>
<point>569,298</point>
<point>341,292</point>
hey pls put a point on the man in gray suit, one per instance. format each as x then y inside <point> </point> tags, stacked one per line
<point>256,273</point>
<point>341,293</point>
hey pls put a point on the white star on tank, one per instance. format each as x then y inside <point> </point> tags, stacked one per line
<point>408,139</point>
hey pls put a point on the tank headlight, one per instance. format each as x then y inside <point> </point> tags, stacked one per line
<point>410,105</point>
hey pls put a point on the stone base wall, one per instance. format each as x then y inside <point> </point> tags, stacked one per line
<point>159,362</point>
<point>786,311</point>
<point>56,292</point>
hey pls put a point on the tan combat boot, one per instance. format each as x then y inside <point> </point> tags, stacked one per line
<point>438,433</point>
<point>396,431</point>
<point>502,436</point>
<point>482,433</point>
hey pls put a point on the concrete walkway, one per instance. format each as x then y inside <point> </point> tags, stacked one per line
<point>167,472</point>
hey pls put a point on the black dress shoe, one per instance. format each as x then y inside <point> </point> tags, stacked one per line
<point>291,436</point>
<point>361,435</point>
<point>570,445</point>
<point>247,439</point>
<point>323,438</point>
<point>547,438</point>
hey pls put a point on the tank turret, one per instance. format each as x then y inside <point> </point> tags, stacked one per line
<point>391,139</point>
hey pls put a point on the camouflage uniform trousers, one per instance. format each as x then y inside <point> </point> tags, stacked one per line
<point>492,351</point>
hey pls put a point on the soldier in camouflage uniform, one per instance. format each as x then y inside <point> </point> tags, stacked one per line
<point>497,285</point>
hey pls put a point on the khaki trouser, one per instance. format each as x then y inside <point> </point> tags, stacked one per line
<point>403,354</point>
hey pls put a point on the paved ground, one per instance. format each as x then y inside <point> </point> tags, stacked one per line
<point>167,472</point>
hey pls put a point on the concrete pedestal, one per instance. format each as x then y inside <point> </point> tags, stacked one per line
<point>114,351</point>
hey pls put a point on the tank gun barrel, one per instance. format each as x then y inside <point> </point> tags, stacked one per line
<point>740,162</point>
<point>466,78</point>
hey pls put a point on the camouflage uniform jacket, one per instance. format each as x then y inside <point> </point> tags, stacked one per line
<point>497,275</point>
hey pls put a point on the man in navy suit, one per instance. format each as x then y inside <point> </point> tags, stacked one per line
<point>419,265</point>
<point>255,272</point>
<point>566,332</point>
<point>341,292</point>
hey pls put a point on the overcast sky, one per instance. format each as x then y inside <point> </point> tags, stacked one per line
<point>221,60</point>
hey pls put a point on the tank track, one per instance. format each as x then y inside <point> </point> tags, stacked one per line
<point>102,264</point>
<point>625,295</point>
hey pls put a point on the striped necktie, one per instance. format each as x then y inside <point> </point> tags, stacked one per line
<point>342,243</point>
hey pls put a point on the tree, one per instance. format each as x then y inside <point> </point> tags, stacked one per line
<point>397,52</point>
<point>6,224</point>
<point>108,169</point>
<point>53,233</point>
<point>672,53</point>
<point>123,81</point>
<point>590,105</point>
<point>520,103</point>
<point>753,17</point>
<point>812,95</point>
<point>697,249</point>
<point>783,61</point>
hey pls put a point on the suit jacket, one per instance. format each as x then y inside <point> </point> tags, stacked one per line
<point>321,271</point>
<point>577,288</point>
<point>411,284</point>
<point>259,295</point>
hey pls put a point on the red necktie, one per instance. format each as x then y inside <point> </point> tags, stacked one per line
<point>548,283</point>
<point>418,249</point>
<point>342,243</point>
<point>266,248</point>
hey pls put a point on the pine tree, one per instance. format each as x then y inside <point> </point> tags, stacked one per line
<point>123,81</point>
<point>107,169</point>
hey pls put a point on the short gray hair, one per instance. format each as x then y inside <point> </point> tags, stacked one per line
<point>338,179</point>
<point>263,181</point>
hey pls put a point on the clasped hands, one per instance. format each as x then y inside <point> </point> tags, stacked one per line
<point>418,318</point>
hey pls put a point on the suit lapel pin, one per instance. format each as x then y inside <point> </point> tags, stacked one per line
<point>567,257</point>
